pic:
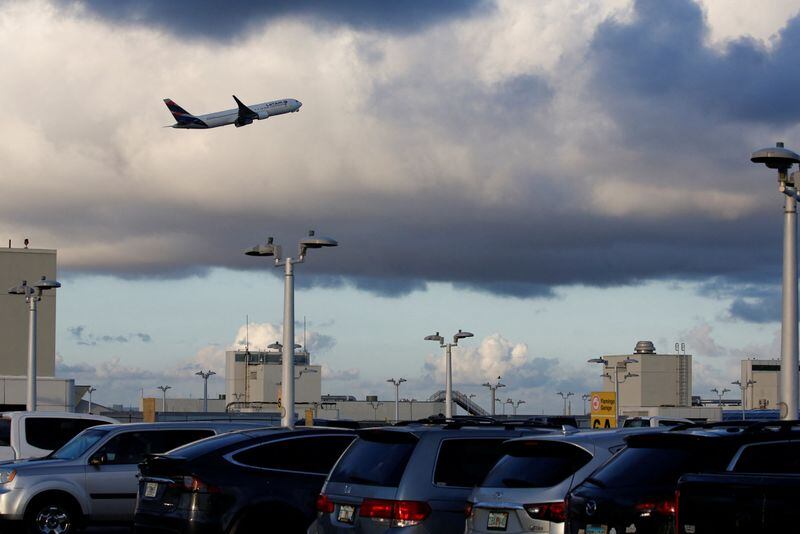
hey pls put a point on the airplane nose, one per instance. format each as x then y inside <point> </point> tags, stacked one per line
<point>299,104</point>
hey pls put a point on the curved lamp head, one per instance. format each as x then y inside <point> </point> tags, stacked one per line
<point>45,284</point>
<point>275,345</point>
<point>22,289</point>
<point>269,249</point>
<point>435,337</point>
<point>314,241</point>
<point>462,335</point>
<point>629,360</point>
<point>776,157</point>
<point>598,360</point>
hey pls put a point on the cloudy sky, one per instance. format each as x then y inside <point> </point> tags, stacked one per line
<point>563,179</point>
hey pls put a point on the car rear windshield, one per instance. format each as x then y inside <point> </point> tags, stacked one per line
<point>656,466</point>
<point>536,464</point>
<point>375,459</point>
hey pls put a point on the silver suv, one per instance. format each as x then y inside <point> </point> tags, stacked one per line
<point>92,477</point>
<point>414,479</point>
<point>525,490</point>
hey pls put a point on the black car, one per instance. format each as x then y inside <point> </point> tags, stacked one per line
<point>264,480</point>
<point>635,490</point>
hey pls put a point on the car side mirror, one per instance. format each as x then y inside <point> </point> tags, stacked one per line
<point>97,460</point>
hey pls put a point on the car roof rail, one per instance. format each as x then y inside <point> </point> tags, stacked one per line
<point>782,426</point>
<point>457,421</point>
<point>715,424</point>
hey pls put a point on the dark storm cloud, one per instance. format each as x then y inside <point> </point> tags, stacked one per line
<point>80,335</point>
<point>751,302</point>
<point>661,58</point>
<point>223,20</point>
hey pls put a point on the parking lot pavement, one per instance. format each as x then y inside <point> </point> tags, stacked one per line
<point>104,529</point>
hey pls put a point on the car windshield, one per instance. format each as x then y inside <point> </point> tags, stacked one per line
<point>79,444</point>
<point>536,464</point>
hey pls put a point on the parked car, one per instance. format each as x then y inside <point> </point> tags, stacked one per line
<point>92,477</point>
<point>525,490</point>
<point>635,489</point>
<point>264,480</point>
<point>416,477</point>
<point>35,434</point>
<point>655,421</point>
<point>757,493</point>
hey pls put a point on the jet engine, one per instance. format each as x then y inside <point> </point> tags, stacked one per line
<point>262,115</point>
<point>242,122</point>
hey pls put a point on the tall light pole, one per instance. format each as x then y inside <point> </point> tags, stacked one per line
<point>502,405</point>
<point>287,357</point>
<point>516,404</point>
<point>397,396</point>
<point>91,390</point>
<point>743,387</point>
<point>782,160</point>
<point>585,397</point>
<point>616,379</point>
<point>565,396</point>
<point>164,397</point>
<point>720,394</point>
<point>493,389</point>
<point>32,296</point>
<point>448,390</point>
<point>205,375</point>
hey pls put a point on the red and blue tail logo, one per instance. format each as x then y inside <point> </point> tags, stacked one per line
<point>180,114</point>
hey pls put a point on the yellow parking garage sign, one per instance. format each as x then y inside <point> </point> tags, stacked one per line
<point>604,404</point>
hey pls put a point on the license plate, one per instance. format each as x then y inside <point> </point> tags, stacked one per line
<point>346,513</point>
<point>497,521</point>
<point>596,529</point>
<point>150,489</point>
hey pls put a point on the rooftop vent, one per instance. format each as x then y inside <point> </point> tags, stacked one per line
<point>645,347</point>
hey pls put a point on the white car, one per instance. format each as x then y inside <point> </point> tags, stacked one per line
<point>36,434</point>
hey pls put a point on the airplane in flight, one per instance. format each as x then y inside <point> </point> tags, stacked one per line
<point>242,116</point>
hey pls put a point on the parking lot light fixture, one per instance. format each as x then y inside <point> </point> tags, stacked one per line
<point>164,397</point>
<point>720,394</point>
<point>782,159</point>
<point>493,390</point>
<point>397,396</point>
<point>565,396</point>
<point>205,375</point>
<point>743,388</point>
<point>91,390</point>
<point>311,241</point>
<point>33,295</point>
<point>448,389</point>
<point>615,378</point>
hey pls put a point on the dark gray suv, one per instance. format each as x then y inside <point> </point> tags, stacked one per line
<point>417,477</point>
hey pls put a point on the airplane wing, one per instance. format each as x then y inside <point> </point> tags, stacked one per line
<point>245,113</point>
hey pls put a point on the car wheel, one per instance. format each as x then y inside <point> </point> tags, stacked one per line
<point>51,516</point>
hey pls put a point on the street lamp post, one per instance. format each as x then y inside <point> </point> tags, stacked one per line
<point>782,160</point>
<point>448,390</point>
<point>502,405</point>
<point>516,404</point>
<point>616,379</point>
<point>287,357</point>
<point>164,397</point>
<point>91,390</point>
<point>720,394</point>
<point>32,296</point>
<point>743,387</point>
<point>565,396</point>
<point>397,396</point>
<point>585,397</point>
<point>205,375</point>
<point>493,389</point>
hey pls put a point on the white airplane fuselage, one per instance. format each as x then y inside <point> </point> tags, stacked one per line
<point>233,116</point>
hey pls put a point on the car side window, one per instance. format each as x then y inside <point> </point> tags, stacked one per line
<point>466,462</point>
<point>132,447</point>
<point>769,458</point>
<point>51,433</point>
<point>309,454</point>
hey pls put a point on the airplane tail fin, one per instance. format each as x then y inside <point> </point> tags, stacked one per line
<point>180,114</point>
